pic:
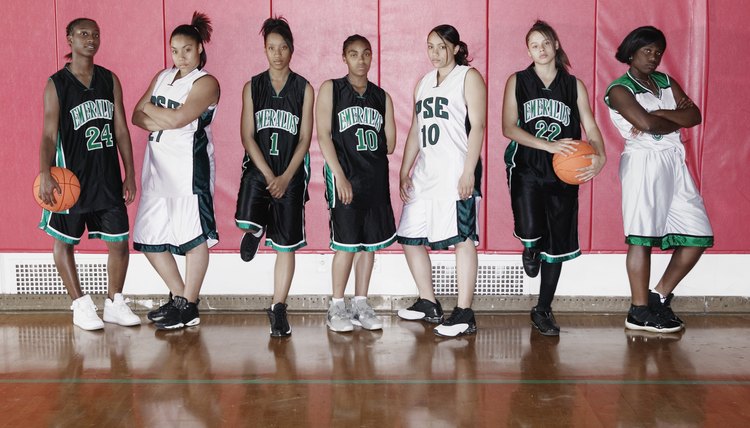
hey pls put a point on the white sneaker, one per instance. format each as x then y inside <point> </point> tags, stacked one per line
<point>364,316</point>
<point>118,312</point>
<point>338,318</point>
<point>84,314</point>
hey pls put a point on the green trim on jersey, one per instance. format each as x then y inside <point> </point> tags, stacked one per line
<point>107,237</point>
<point>356,248</point>
<point>280,249</point>
<point>247,226</point>
<point>662,82</point>
<point>180,250</point>
<point>330,186</point>
<point>44,225</point>
<point>670,241</point>
<point>439,245</point>
<point>548,258</point>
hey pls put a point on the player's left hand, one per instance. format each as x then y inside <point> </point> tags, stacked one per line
<point>466,185</point>
<point>277,186</point>
<point>589,172</point>
<point>128,190</point>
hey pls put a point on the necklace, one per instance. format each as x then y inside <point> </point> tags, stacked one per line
<point>648,84</point>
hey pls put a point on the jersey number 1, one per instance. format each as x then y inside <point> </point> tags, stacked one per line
<point>274,144</point>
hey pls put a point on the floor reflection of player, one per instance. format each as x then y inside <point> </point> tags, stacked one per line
<point>184,359</point>
<point>353,360</point>
<point>81,403</point>
<point>536,402</point>
<point>655,358</point>
<point>452,404</point>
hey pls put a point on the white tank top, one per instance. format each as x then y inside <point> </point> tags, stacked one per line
<point>179,162</point>
<point>442,120</point>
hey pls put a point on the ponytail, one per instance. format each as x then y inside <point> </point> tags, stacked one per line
<point>200,30</point>
<point>448,33</point>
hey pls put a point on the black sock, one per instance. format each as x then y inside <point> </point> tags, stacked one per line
<point>550,276</point>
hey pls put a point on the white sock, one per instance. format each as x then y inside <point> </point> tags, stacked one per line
<point>335,300</point>
<point>359,298</point>
<point>661,297</point>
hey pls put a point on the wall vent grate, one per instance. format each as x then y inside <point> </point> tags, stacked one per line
<point>493,279</point>
<point>42,278</point>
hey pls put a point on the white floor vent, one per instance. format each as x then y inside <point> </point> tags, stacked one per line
<point>493,279</point>
<point>42,278</point>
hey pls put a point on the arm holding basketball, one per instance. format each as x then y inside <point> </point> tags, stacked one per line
<point>593,135</point>
<point>47,148</point>
<point>411,150</point>
<point>324,111</point>
<point>476,103</point>
<point>124,146</point>
<point>204,93</point>
<point>686,114</point>
<point>141,119</point>
<point>516,133</point>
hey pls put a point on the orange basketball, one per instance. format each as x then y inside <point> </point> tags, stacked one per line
<point>69,185</point>
<point>566,167</point>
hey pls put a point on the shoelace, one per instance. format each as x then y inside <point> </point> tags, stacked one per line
<point>454,316</point>
<point>340,312</point>
<point>366,310</point>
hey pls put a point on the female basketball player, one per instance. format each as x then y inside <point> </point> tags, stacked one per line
<point>661,206</point>
<point>356,133</point>
<point>441,197</point>
<point>176,211</point>
<point>544,109</point>
<point>276,127</point>
<point>83,109</point>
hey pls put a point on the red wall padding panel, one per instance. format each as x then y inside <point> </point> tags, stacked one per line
<point>705,54</point>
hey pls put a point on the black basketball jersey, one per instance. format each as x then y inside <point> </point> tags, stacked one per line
<point>358,134</point>
<point>277,121</point>
<point>550,113</point>
<point>86,142</point>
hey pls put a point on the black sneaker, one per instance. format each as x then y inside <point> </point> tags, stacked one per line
<point>423,309</point>
<point>181,314</point>
<point>664,309</point>
<point>643,318</point>
<point>159,313</point>
<point>249,246</point>
<point>544,321</point>
<point>460,323</point>
<point>531,261</point>
<point>279,324</point>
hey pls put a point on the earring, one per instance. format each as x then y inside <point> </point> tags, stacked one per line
<point>630,58</point>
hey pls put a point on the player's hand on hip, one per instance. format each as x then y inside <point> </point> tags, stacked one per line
<point>47,188</point>
<point>405,188</point>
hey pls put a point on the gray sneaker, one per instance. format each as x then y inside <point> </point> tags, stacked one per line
<point>364,316</point>
<point>338,318</point>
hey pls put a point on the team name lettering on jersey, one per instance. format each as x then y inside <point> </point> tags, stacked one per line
<point>433,107</point>
<point>351,116</point>
<point>544,107</point>
<point>90,110</point>
<point>280,119</point>
<point>162,101</point>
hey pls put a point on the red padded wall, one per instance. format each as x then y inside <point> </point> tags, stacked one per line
<point>706,54</point>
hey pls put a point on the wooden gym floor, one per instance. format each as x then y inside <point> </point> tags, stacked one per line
<point>228,372</point>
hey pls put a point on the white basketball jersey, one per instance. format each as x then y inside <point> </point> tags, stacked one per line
<point>442,121</point>
<point>179,162</point>
<point>663,100</point>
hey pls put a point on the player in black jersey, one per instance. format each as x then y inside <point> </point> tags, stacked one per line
<point>543,110</point>
<point>84,128</point>
<point>356,133</point>
<point>276,127</point>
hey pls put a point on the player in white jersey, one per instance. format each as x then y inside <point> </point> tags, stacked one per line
<point>441,196</point>
<point>175,213</point>
<point>661,206</point>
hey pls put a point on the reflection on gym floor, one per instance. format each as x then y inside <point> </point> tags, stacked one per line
<point>229,372</point>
